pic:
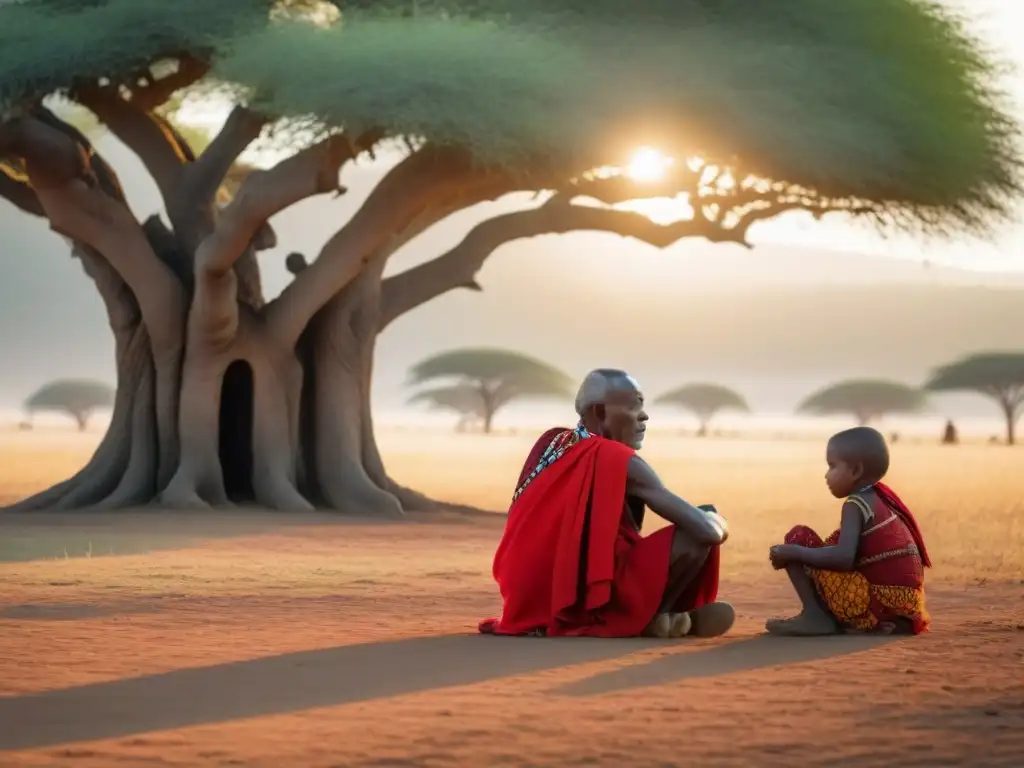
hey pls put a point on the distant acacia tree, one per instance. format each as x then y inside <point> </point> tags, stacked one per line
<point>461,399</point>
<point>797,105</point>
<point>864,399</point>
<point>704,401</point>
<point>77,398</point>
<point>999,375</point>
<point>482,381</point>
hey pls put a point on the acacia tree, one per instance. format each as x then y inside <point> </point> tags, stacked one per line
<point>864,399</point>
<point>222,393</point>
<point>999,375</point>
<point>482,381</point>
<point>77,398</point>
<point>704,401</point>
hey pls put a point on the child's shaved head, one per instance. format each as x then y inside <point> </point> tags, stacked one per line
<point>864,446</point>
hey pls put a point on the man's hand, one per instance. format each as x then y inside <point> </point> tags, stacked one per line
<point>782,555</point>
<point>717,519</point>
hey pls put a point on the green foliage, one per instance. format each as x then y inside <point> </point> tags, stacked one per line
<point>460,398</point>
<point>887,101</point>
<point>74,396</point>
<point>490,89</point>
<point>864,398</point>
<point>47,46</point>
<point>529,375</point>
<point>704,400</point>
<point>999,375</point>
<point>985,372</point>
<point>481,381</point>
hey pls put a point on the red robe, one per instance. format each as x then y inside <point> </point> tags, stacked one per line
<point>571,561</point>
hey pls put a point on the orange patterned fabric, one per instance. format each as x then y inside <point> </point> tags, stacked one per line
<point>858,604</point>
<point>887,582</point>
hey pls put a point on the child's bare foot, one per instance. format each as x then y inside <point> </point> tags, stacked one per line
<point>803,625</point>
<point>712,620</point>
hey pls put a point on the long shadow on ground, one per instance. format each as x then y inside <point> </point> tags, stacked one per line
<point>724,659</point>
<point>305,680</point>
<point>286,683</point>
<point>27,536</point>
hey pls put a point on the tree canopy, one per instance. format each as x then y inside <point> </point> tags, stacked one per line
<point>879,106</point>
<point>485,380</point>
<point>704,401</point>
<point>865,399</point>
<point>999,375</point>
<point>76,397</point>
<point>460,398</point>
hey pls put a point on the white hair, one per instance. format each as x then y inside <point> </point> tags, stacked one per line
<point>597,385</point>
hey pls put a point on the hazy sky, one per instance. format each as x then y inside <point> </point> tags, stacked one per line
<point>760,320</point>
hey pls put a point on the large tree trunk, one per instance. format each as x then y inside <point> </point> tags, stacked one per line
<point>237,423</point>
<point>255,421</point>
<point>345,464</point>
<point>209,406</point>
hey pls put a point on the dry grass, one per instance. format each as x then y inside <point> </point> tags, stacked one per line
<point>307,609</point>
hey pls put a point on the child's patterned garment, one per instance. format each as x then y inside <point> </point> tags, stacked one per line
<point>887,582</point>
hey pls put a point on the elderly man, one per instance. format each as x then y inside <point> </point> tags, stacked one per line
<point>572,560</point>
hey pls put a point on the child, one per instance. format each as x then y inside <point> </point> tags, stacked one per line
<point>868,575</point>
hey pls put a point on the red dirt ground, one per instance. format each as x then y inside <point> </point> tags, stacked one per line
<point>264,640</point>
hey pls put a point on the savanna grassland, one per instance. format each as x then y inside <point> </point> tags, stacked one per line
<point>258,639</point>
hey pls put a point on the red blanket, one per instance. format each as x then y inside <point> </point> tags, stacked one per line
<point>570,561</point>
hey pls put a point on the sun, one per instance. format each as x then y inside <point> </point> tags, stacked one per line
<point>648,164</point>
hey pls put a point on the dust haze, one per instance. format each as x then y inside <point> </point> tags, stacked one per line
<point>774,322</point>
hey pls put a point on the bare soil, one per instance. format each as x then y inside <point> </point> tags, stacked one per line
<point>258,639</point>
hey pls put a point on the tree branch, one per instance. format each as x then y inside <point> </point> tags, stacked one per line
<point>207,173</point>
<point>458,267</point>
<point>620,188</point>
<point>51,157</point>
<point>146,134</point>
<point>425,181</point>
<point>81,208</point>
<point>188,185</point>
<point>313,171</point>
<point>190,207</point>
<point>16,189</point>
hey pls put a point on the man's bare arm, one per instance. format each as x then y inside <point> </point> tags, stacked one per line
<point>643,483</point>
